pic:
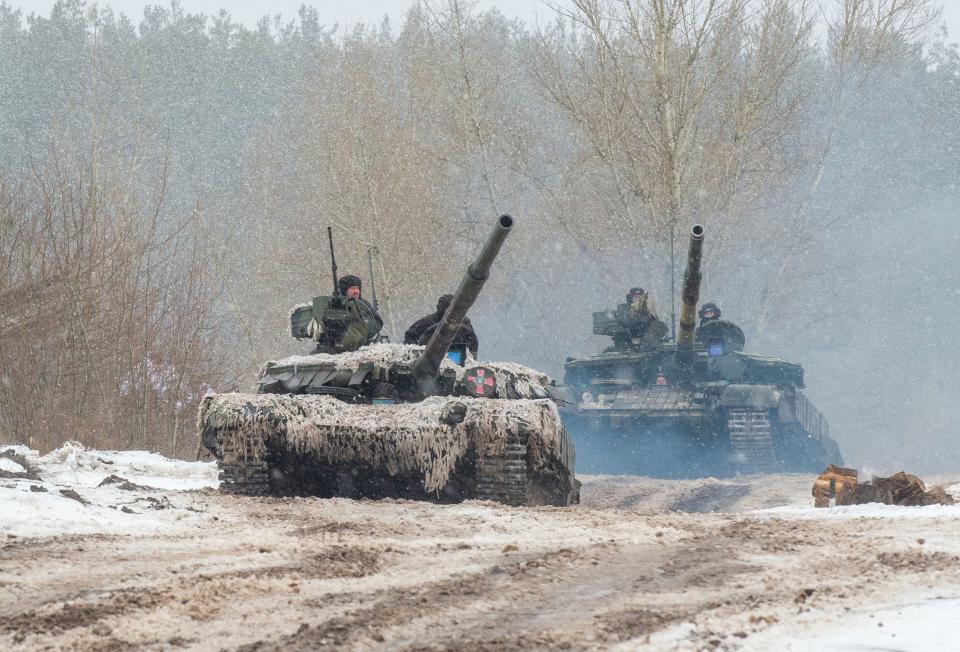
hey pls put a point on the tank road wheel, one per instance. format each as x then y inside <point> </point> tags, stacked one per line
<point>503,478</point>
<point>750,439</point>
<point>239,475</point>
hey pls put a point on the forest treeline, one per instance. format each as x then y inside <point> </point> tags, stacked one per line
<point>166,183</point>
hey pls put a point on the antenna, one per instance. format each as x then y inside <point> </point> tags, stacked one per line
<point>673,289</point>
<point>333,263</point>
<point>373,284</point>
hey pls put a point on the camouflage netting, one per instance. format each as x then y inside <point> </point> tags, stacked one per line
<point>514,380</point>
<point>405,438</point>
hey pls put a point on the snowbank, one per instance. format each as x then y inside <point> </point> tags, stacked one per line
<point>69,498</point>
<point>75,465</point>
<point>10,465</point>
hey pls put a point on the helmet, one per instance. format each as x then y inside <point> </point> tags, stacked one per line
<point>709,307</point>
<point>349,281</point>
<point>443,303</point>
<point>633,292</point>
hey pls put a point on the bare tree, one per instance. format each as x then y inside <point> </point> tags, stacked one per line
<point>693,111</point>
<point>106,319</point>
<point>861,35</point>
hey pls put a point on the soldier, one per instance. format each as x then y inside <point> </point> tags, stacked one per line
<point>708,313</point>
<point>421,330</point>
<point>641,316</point>
<point>364,321</point>
<point>639,319</point>
<point>350,287</point>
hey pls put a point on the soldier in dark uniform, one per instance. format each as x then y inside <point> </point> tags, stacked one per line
<point>365,322</point>
<point>708,313</point>
<point>421,330</point>
<point>350,287</point>
<point>639,317</point>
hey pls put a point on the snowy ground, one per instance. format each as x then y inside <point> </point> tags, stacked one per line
<point>37,508</point>
<point>166,562</point>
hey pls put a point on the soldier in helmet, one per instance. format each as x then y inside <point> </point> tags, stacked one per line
<point>708,313</point>
<point>351,287</point>
<point>364,322</point>
<point>421,330</point>
<point>639,317</point>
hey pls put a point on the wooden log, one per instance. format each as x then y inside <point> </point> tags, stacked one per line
<point>836,485</point>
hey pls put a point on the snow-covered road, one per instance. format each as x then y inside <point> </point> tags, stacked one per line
<point>157,559</point>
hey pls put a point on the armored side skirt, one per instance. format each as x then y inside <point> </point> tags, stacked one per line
<point>441,449</point>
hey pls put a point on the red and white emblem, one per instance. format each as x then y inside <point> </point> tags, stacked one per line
<point>481,381</point>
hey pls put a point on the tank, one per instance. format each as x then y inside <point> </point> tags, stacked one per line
<point>698,407</point>
<point>393,420</point>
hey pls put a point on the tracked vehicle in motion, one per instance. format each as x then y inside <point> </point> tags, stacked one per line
<point>392,420</point>
<point>695,408</point>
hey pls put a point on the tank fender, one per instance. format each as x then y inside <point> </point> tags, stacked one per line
<point>760,397</point>
<point>561,394</point>
<point>269,385</point>
<point>786,411</point>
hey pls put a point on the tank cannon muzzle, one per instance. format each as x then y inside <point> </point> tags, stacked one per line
<point>689,296</point>
<point>427,366</point>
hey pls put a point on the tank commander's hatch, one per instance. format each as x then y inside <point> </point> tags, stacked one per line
<point>720,337</point>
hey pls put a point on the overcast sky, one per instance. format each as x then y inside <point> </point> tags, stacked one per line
<point>366,11</point>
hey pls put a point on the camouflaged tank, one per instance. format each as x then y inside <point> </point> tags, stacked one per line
<point>699,407</point>
<point>394,420</point>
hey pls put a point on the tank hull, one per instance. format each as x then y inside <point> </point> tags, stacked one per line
<point>443,449</point>
<point>668,433</point>
<point>722,444</point>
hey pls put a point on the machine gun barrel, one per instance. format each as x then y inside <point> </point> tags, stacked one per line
<point>689,296</point>
<point>427,366</point>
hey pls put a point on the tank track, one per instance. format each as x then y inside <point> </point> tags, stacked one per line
<point>503,478</point>
<point>241,476</point>
<point>751,440</point>
<point>508,478</point>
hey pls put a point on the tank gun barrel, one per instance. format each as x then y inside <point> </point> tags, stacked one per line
<point>689,297</point>
<point>427,366</point>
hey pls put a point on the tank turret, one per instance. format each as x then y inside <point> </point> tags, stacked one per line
<point>427,366</point>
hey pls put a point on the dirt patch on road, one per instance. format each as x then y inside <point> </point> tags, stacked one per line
<point>918,561</point>
<point>80,613</point>
<point>339,561</point>
<point>711,498</point>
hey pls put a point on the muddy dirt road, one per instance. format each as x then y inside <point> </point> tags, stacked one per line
<point>686,565</point>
